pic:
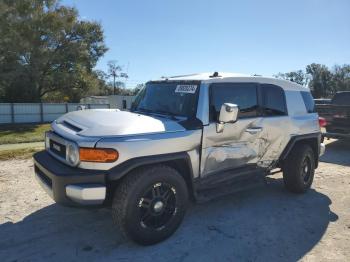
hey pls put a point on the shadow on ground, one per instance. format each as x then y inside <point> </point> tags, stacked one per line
<point>263,224</point>
<point>337,152</point>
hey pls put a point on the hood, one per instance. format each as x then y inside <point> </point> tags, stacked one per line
<point>112,122</point>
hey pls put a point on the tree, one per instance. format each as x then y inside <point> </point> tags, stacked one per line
<point>115,71</point>
<point>45,49</point>
<point>341,77</point>
<point>298,77</point>
<point>101,86</point>
<point>321,83</point>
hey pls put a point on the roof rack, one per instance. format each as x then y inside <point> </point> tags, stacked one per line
<point>166,77</point>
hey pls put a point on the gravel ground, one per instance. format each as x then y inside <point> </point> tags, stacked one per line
<point>262,224</point>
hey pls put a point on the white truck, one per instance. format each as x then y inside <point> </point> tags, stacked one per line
<point>189,137</point>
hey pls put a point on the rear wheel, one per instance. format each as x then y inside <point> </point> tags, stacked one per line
<point>150,204</point>
<point>299,169</point>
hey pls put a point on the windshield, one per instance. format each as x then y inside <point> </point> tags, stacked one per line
<point>168,98</point>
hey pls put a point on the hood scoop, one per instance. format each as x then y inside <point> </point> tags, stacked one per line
<point>71,126</point>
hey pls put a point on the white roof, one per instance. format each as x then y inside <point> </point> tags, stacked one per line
<point>208,78</point>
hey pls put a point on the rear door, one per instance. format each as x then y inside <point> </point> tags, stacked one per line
<point>275,122</point>
<point>238,145</point>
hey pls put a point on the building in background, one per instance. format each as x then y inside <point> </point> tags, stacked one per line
<point>121,102</point>
<point>95,100</point>
<point>115,101</point>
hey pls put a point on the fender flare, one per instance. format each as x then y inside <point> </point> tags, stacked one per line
<point>124,168</point>
<point>298,138</point>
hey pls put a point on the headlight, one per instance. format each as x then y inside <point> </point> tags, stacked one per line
<point>72,154</point>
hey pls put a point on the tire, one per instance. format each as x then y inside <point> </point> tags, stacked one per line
<point>150,203</point>
<point>299,169</point>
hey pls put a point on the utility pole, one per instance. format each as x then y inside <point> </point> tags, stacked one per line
<point>114,89</point>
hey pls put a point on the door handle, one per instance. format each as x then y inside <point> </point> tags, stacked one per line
<point>254,130</point>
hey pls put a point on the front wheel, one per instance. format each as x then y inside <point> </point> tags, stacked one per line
<point>299,169</point>
<point>150,203</point>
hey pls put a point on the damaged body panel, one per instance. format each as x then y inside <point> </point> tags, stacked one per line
<point>232,148</point>
<point>240,145</point>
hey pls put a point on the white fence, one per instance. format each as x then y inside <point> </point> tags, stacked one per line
<point>12,113</point>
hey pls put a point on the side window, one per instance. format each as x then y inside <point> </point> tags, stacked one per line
<point>308,101</point>
<point>273,100</point>
<point>242,94</point>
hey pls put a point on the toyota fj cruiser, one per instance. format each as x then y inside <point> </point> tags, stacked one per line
<point>186,137</point>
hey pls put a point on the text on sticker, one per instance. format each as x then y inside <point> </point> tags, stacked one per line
<point>191,89</point>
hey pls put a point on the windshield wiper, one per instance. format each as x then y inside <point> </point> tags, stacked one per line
<point>157,112</point>
<point>144,110</point>
<point>167,113</point>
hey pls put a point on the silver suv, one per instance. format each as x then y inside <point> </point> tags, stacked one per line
<point>187,137</point>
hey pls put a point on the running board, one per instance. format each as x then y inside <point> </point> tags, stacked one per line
<point>240,183</point>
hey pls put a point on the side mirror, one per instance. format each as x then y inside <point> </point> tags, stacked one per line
<point>228,114</point>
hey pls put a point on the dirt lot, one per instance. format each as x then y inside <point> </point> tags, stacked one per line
<point>263,224</point>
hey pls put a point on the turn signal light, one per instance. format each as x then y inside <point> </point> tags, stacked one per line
<point>322,122</point>
<point>101,155</point>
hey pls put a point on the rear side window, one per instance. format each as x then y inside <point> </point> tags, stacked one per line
<point>342,98</point>
<point>274,103</point>
<point>308,101</point>
<point>242,94</point>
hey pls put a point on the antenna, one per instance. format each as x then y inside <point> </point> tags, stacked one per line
<point>216,74</point>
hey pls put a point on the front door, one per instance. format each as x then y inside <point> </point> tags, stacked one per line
<point>239,144</point>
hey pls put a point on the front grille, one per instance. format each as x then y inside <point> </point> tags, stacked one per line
<point>43,177</point>
<point>58,149</point>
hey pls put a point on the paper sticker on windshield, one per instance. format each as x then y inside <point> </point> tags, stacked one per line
<point>190,89</point>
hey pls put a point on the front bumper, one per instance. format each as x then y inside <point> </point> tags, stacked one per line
<point>69,185</point>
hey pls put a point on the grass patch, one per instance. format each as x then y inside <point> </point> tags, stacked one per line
<point>18,153</point>
<point>22,133</point>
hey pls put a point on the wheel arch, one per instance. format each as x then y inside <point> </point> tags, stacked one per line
<point>181,162</point>
<point>313,140</point>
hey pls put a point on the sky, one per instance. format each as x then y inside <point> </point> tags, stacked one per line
<point>157,38</point>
